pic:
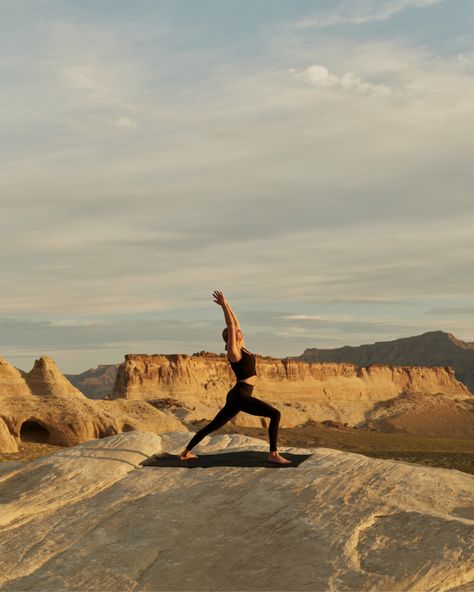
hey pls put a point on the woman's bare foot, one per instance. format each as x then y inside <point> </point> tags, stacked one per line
<point>276,458</point>
<point>187,454</point>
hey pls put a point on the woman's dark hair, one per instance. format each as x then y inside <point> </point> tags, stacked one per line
<point>225,335</point>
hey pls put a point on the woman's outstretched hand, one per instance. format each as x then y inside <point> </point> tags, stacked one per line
<point>219,298</point>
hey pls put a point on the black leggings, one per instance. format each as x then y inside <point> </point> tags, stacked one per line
<point>239,398</point>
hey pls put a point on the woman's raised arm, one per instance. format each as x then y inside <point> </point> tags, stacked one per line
<point>219,298</point>
<point>237,324</point>
<point>231,322</point>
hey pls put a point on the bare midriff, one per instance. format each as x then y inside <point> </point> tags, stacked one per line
<point>250,380</point>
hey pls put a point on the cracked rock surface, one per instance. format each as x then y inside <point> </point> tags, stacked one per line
<point>92,518</point>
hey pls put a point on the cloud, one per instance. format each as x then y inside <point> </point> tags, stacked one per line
<point>305,317</point>
<point>451,310</point>
<point>126,123</point>
<point>291,193</point>
<point>466,61</point>
<point>85,78</point>
<point>319,76</point>
<point>81,344</point>
<point>360,13</point>
<point>371,302</point>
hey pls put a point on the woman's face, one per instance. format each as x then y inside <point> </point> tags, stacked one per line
<point>239,336</point>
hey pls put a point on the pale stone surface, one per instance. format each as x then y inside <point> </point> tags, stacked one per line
<point>56,411</point>
<point>90,518</point>
<point>6,466</point>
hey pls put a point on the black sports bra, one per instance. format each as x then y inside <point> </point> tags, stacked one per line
<point>245,367</point>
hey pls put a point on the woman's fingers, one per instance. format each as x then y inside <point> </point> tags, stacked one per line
<point>219,297</point>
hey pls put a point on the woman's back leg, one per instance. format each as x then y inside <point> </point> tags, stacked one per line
<point>222,417</point>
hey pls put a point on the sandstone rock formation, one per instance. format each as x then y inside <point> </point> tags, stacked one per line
<point>95,383</point>
<point>424,416</point>
<point>41,405</point>
<point>90,518</point>
<point>433,348</point>
<point>317,391</point>
<point>45,379</point>
<point>7,441</point>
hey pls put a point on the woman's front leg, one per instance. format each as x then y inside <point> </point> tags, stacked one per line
<point>255,406</point>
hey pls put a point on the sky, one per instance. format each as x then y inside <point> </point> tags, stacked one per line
<point>311,159</point>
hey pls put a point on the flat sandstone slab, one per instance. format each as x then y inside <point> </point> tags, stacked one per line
<point>92,518</point>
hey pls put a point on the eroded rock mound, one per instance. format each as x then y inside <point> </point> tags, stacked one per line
<point>45,379</point>
<point>43,406</point>
<point>90,518</point>
<point>415,414</point>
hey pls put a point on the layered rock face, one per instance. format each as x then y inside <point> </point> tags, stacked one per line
<point>434,348</point>
<point>301,390</point>
<point>43,406</point>
<point>337,521</point>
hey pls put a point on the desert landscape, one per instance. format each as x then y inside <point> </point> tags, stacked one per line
<point>388,452</point>
<point>236,312</point>
<point>169,392</point>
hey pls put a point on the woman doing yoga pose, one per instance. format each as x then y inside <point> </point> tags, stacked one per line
<point>239,398</point>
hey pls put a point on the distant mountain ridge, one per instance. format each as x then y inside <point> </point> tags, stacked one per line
<point>433,348</point>
<point>95,383</point>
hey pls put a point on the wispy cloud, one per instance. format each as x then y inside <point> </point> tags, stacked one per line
<point>305,317</point>
<point>359,13</point>
<point>451,310</point>
<point>319,76</point>
<point>126,123</point>
<point>137,177</point>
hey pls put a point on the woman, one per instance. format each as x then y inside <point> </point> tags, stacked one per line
<point>239,398</point>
